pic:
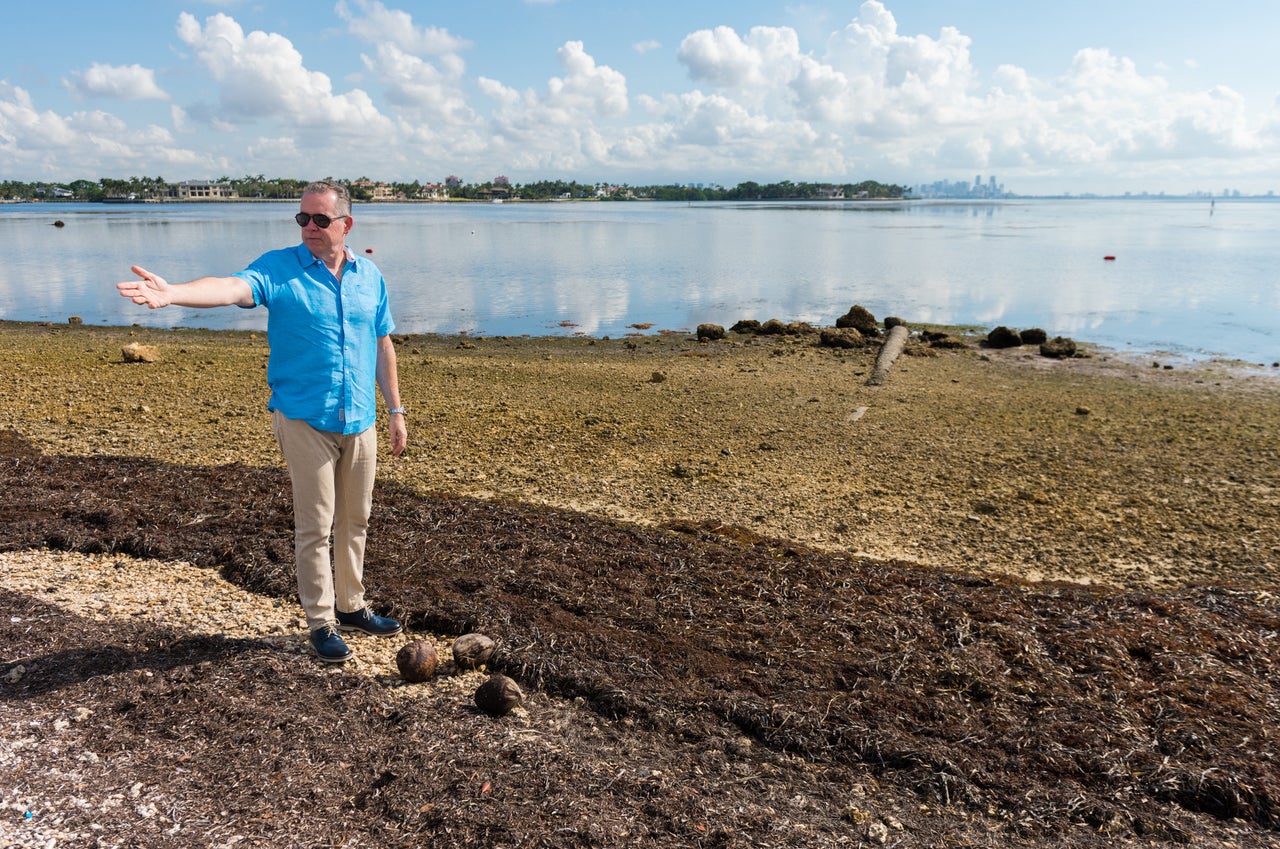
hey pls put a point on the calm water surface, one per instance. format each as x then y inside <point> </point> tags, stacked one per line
<point>1187,278</point>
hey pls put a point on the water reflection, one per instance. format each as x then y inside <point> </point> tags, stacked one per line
<point>1182,279</point>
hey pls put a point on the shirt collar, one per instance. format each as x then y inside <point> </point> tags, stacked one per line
<point>306,257</point>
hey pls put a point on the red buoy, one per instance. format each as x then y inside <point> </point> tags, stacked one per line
<point>1109,257</point>
<point>370,250</point>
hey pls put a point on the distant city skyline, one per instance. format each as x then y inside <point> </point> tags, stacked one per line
<point>993,188</point>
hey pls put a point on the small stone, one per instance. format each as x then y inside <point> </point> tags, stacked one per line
<point>416,661</point>
<point>498,696</point>
<point>135,353</point>
<point>472,651</point>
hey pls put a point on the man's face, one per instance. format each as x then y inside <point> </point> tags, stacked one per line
<point>326,241</point>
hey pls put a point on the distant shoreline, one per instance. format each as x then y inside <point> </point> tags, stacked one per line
<point>805,201</point>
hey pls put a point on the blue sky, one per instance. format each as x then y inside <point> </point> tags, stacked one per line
<point>1125,95</point>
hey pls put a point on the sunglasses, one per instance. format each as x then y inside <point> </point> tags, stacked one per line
<point>322,221</point>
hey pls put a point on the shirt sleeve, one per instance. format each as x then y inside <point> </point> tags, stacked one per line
<point>258,276</point>
<point>382,321</point>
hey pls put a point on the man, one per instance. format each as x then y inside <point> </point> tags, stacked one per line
<point>328,329</point>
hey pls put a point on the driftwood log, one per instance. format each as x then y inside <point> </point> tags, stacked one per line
<point>893,345</point>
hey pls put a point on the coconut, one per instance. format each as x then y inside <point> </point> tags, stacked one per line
<point>499,695</point>
<point>472,651</point>
<point>416,661</point>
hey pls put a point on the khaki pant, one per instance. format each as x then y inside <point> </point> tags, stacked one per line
<point>332,476</point>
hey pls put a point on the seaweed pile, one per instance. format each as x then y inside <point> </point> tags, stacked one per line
<point>692,685</point>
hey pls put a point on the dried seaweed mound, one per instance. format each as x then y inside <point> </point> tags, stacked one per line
<point>1047,713</point>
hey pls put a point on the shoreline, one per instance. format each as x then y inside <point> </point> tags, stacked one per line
<point>1098,469</point>
<point>973,335</point>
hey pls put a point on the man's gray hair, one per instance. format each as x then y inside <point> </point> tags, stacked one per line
<point>343,204</point>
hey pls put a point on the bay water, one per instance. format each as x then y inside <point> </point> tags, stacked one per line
<point>1187,278</point>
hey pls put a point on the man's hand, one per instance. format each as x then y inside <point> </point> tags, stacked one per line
<point>150,289</point>
<point>398,432</point>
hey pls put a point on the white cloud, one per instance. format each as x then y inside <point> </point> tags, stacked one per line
<point>420,89</point>
<point>870,87</point>
<point>507,97</point>
<point>905,104</point>
<point>861,100</point>
<point>1095,72</point>
<point>586,95</point>
<point>722,58</point>
<point>380,25</point>
<point>586,87</point>
<point>573,125</point>
<point>823,93</point>
<point>125,82</point>
<point>425,91</point>
<point>262,77</point>
<point>42,142</point>
<point>26,132</point>
<point>282,149</point>
<point>898,83</point>
<point>869,75</point>
<point>714,120</point>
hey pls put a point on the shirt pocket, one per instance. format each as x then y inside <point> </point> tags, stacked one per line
<point>360,305</point>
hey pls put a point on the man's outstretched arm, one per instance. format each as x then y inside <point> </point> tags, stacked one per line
<point>155,292</point>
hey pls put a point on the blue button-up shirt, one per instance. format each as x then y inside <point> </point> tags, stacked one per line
<point>323,336</point>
